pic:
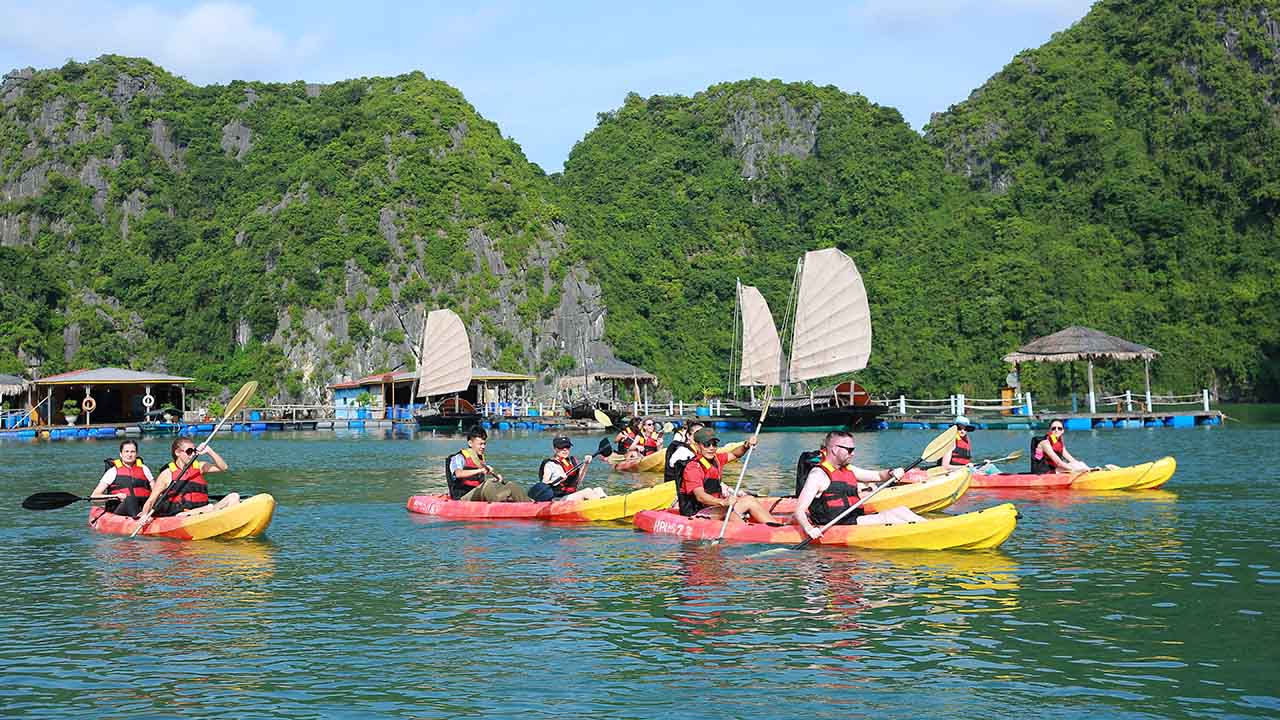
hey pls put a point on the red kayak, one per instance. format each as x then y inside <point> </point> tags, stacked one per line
<point>1025,481</point>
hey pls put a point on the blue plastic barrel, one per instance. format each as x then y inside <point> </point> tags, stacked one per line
<point>1079,424</point>
<point>255,415</point>
<point>1181,421</point>
<point>257,427</point>
<point>504,425</point>
<point>702,412</point>
<point>1106,424</point>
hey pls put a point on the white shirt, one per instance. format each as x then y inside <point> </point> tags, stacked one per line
<point>681,453</point>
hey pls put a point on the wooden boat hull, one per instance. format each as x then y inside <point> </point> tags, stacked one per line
<point>802,417</point>
<point>971,531</point>
<point>449,421</point>
<point>246,519</point>
<point>614,507</point>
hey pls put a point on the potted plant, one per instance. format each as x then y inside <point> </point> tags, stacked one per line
<point>70,410</point>
<point>364,400</point>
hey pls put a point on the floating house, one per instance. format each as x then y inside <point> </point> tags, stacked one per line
<point>109,395</point>
<point>393,393</point>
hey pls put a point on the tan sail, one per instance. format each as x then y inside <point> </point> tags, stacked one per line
<point>446,355</point>
<point>761,348</point>
<point>833,321</point>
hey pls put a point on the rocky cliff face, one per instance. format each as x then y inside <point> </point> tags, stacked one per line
<point>320,220</point>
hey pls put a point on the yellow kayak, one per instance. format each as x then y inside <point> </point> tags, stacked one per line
<point>1146,476</point>
<point>245,519</point>
<point>921,497</point>
<point>971,531</point>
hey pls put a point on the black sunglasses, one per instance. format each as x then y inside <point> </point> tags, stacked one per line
<point>713,442</point>
<point>846,448</point>
<point>189,451</point>
<point>1059,429</point>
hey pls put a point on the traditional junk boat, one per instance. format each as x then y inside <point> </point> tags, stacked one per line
<point>831,336</point>
<point>444,367</point>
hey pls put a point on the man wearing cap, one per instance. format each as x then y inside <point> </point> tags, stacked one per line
<point>961,454</point>
<point>701,492</point>
<point>560,474</point>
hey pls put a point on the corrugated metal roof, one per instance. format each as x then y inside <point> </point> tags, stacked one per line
<point>482,374</point>
<point>12,385</point>
<point>109,375</point>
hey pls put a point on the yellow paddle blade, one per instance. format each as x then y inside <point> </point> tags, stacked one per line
<point>603,419</point>
<point>667,427</point>
<point>940,445</point>
<point>241,398</point>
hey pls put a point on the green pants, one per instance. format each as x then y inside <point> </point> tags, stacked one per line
<point>493,491</point>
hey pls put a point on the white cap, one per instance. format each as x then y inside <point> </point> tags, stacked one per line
<point>963,421</point>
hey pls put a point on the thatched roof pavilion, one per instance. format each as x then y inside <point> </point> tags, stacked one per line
<point>1082,343</point>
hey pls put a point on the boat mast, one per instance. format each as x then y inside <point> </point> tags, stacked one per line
<point>731,388</point>
<point>787,322</point>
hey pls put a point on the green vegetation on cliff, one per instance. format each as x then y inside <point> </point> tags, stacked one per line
<point>1124,176</point>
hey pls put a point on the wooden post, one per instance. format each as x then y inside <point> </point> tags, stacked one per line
<point>1204,393</point>
<point>1147,372</point>
<point>960,404</point>
<point>1030,412</point>
<point>1128,400</point>
<point>1093,402</point>
<point>902,404</point>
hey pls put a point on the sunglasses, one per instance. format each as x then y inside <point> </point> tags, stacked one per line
<point>846,448</point>
<point>188,451</point>
<point>1055,429</point>
<point>713,442</point>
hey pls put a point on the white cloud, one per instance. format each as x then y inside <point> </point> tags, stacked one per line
<point>204,42</point>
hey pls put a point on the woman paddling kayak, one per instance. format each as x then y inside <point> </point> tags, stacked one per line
<point>181,487</point>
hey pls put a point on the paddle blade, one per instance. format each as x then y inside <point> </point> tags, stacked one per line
<point>50,500</point>
<point>939,445</point>
<point>667,427</point>
<point>237,402</point>
<point>603,419</point>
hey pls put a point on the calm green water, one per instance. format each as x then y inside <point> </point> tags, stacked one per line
<point>1160,604</point>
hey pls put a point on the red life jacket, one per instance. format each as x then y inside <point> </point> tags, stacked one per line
<point>961,453</point>
<point>841,493</point>
<point>626,439</point>
<point>130,480</point>
<point>461,486</point>
<point>711,472</point>
<point>651,444</point>
<point>569,485</point>
<point>189,493</point>
<point>1041,465</point>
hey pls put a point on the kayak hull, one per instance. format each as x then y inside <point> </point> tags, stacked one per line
<point>921,497</point>
<point>1144,476</point>
<point>245,519</point>
<point>977,530</point>
<point>613,507</point>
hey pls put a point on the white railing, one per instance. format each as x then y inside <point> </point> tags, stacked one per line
<point>1021,403</point>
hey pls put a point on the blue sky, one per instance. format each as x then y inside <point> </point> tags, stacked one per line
<point>542,71</point>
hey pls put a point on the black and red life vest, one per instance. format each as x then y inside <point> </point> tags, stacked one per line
<point>626,439</point>
<point>130,485</point>
<point>461,486</point>
<point>1041,465</point>
<point>569,485</point>
<point>840,495</point>
<point>962,453</point>
<point>711,473</point>
<point>189,492</point>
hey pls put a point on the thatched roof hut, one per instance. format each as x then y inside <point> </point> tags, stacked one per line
<point>1082,343</point>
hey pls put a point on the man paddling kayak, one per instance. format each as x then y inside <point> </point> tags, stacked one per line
<point>127,478</point>
<point>1049,453</point>
<point>559,475</point>
<point>700,491</point>
<point>466,471</point>
<point>960,454</point>
<point>181,487</point>
<point>832,487</point>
